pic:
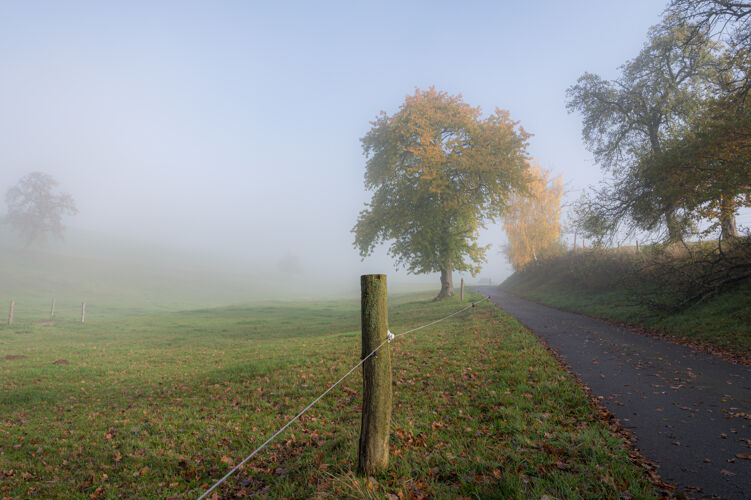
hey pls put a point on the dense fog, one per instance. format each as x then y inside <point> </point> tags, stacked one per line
<point>229,133</point>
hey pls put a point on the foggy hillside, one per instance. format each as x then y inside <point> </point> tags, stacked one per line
<point>117,275</point>
<point>137,276</point>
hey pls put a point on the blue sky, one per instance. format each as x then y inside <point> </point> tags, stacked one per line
<point>233,127</point>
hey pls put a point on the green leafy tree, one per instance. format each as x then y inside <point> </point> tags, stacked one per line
<point>439,172</point>
<point>626,119</point>
<point>707,165</point>
<point>706,170</point>
<point>35,210</point>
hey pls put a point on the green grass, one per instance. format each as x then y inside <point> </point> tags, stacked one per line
<point>162,405</point>
<point>722,320</point>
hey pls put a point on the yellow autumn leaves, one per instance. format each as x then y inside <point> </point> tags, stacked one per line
<point>532,222</point>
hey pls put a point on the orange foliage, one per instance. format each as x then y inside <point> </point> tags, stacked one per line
<point>532,222</point>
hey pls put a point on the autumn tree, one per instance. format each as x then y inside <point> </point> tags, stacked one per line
<point>706,170</point>
<point>439,172</point>
<point>35,210</point>
<point>626,119</point>
<point>708,163</point>
<point>532,221</point>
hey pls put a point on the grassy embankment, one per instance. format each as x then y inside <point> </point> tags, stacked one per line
<point>163,404</point>
<point>601,283</point>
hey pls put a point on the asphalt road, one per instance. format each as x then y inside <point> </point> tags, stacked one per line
<point>690,412</point>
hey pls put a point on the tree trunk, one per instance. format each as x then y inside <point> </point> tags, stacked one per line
<point>675,233</point>
<point>447,283</point>
<point>727,219</point>
<point>674,230</point>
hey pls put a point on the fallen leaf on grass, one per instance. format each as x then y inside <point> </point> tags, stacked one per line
<point>141,472</point>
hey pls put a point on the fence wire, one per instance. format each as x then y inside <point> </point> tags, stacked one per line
<point>291,421</point>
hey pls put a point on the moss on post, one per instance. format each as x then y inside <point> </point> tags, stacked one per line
<point>373,455</point>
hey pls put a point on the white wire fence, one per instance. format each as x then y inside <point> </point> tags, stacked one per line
<point>390,337</point>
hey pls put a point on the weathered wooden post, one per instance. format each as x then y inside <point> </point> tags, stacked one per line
<point>637,246</point>
<point>52,312</point>
<point>373,453</point>
<point>10,316</point>
<point>83,312</point>
<point>461,294</point>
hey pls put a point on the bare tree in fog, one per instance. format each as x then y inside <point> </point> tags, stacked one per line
<point>35,210</point>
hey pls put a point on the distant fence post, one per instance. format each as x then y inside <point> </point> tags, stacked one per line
<point>461,294</point>
<point>10,316</point>
<point>637,246</point>
<point>52,311</point>
<point>373,453</point>
<point>83,312</point>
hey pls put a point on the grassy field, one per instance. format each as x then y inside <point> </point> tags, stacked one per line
<point>163,405</point>
<point>722,320</point>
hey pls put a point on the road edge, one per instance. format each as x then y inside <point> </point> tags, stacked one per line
<point>695,345</point>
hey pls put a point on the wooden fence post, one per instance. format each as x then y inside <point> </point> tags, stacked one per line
<point>637,246</point>
<point>373,453</point>
<point>52,312</point>
<point>83,312</point>
<point>461,294</point>
<point>10,316</point>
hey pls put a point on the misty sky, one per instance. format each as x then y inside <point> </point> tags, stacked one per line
<point>233,127</point>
